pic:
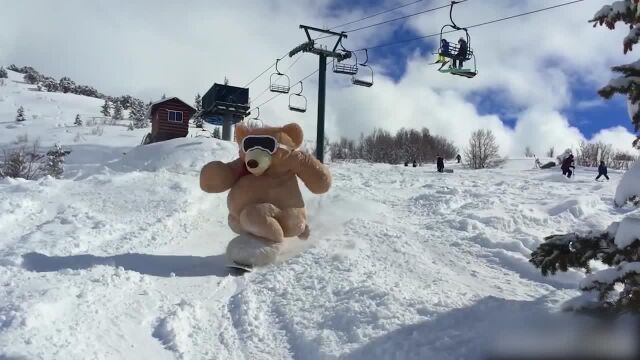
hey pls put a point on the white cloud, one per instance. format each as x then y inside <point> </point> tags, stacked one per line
<point>147,48</point>
<point>619,137</point>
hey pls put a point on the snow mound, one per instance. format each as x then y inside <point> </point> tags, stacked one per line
<point>628,232</point>
<point>629,185</point>
<point>558,177</point>
<point>523,163</point>
<point>180,155</point>
<point>174,330</point>
<point>578,208</point>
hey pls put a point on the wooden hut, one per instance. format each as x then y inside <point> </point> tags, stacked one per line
<point>170,119</point>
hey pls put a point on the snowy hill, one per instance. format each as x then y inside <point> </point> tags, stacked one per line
<point>50,117</point>
<point>124,257</point>
<point>128,262</point>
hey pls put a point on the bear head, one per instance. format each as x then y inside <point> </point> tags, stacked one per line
<point>264,149</point>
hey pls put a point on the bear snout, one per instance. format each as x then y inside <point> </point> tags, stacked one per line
<point>252,164</point>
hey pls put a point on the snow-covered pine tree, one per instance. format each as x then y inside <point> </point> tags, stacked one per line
<point>615,290</point>
<point>106,108</point>
<point>78,121</point>
<point>130,127</point>
<point>3,73</point>
<point>198,102</point>
<point>67,85</point>
<point>55,161</point>
<point>138,114</point>
<point>626,11</point>
<point>216,132</point>
<point>198,105</point>
<point>117,111</point>
<point>20,114</point>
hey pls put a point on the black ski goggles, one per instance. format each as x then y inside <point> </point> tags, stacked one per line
<point>264,142</point>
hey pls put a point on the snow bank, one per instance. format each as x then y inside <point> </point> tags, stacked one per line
<point>608,276</point>
<point>629,185</point>
<point>181,155</point>
<point>523,163</point>
<point>628,232</point>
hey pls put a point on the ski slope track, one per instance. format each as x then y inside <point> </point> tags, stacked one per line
<point>123,258</point>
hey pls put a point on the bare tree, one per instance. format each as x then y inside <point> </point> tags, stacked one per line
<point>22,162</point>
<point>383,147</point>
<point>527,152</point>
<point>621,160</point>
<point>550,152</point>
<point>590,154</point>
<point>483,152</point>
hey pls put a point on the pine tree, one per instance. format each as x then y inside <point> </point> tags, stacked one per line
<point>164,96</point>
<point>130,127</point>
<point>20,115</point>
<point>138,114</point>
<point>627,84</point>
<point>117,111</point>
<point>216,132</point>
<point>67,85</point>
<point>3,73</point>
<point>198,105</point>
<point>106,108</point>
<point>198,102</point>
<point>78,121</point>
<point>619,245</point>
<point>55,161</point>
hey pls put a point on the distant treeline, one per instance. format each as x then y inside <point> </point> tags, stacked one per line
<point>66,85</point>
<point>382,147</point>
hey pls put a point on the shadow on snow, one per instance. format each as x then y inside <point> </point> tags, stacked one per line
<point>155,265</point>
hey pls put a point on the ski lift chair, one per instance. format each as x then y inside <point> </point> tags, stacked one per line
<point>298,108</point>
<point>254,121</point>
<point>362,81</point>
<point>347,69</point>
<point>274,87</point>
<point>455,48</point>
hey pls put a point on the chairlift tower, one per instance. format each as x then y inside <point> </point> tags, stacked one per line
<point>323,54</point>
<point>225,105</point>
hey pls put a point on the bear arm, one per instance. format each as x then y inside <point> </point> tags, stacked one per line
<point>314,174</point>
<point>217,176</point>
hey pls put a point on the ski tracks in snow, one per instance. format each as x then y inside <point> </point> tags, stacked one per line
<point>128,265</point>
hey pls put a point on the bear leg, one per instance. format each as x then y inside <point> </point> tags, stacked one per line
<point>294,223</point>
<point>234,224</point>
<point>260,220</point>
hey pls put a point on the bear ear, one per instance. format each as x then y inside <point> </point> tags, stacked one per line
<point>240,132</point>
<point>294,131</point>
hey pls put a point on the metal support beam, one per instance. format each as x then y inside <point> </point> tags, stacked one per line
<point>322,85</point>
<point>323,54</point>
<point>226,126</point>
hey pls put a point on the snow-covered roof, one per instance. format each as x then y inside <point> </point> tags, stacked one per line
<point>153,104</point>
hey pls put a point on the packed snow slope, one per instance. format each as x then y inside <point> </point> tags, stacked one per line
<point>123,258</point>
<point>126,261</point>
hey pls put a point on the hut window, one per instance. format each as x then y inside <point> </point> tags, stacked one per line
<point>175,116</point>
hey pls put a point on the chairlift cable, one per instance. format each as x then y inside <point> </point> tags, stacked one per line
<point>303,79</point>
<point>298,57</point>
<point>396,19</point>
<point>469,27</point>
<point>376,14</point>
<point>403,17</point>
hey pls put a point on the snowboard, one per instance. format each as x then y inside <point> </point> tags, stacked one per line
<point>246,253</point>
<point>240,269</point>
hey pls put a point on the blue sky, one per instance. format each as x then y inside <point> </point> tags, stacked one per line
<point>593,114</point>
<point>527,75</point>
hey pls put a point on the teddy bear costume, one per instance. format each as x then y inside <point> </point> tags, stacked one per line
<point>264,201</point>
